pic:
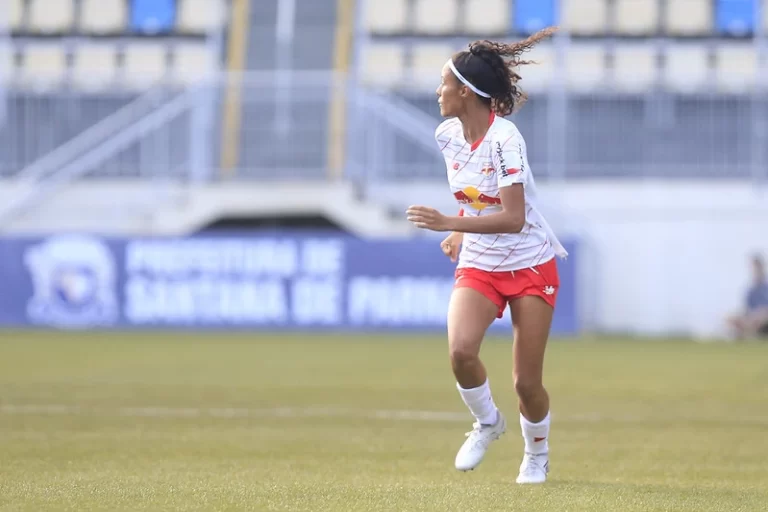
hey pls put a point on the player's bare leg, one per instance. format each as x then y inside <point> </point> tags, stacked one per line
<point>470,314</point>
<point>532,318</point>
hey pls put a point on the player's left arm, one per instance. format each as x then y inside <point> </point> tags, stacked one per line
<point>510,173</point>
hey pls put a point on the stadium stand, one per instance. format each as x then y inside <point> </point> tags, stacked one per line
<point>651,65</point>
<point>71,63</point>
<point>661,67</point>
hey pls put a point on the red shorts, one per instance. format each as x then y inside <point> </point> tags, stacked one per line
<point>501,287</point>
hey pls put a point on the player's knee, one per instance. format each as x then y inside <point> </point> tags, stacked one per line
<point>462,357</point>
<point>527,388</point>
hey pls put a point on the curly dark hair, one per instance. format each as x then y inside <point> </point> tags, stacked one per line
<point>491,67</point>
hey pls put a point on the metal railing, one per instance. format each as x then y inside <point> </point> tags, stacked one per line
<point>284,134</point>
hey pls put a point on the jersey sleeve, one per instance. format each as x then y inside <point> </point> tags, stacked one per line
<point>508,161</point>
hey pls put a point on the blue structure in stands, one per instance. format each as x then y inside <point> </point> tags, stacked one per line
<point>532,15</point>
<point>153,16</point>
<point>735,17</point>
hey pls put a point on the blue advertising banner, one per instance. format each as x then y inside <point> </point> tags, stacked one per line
<point>238,281</point>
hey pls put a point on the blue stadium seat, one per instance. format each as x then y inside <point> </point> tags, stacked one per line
<point>533,15</point>
<point>153,15</point>
<point>735,17</point>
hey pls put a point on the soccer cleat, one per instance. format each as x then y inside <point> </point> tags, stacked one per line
<point>473,450</point>
<point>534,469</point>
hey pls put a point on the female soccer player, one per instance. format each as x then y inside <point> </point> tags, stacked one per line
<point>505,249</point>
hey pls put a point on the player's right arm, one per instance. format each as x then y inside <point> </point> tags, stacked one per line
<point>452,243</point>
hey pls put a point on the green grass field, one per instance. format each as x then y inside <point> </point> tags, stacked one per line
<point>325,423</point>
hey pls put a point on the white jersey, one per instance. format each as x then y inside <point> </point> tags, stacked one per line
<point>476,172</point>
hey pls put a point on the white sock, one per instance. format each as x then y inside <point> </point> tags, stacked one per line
<point>480,403</point>
<point>535,435</point>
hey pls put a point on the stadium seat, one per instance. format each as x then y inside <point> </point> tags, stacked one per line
<point>386,16</point>
<point>192,63</point>
<point>688,17</point>
<point>15,14</point>
<point>636,17</point>
<point>533,15</point>
<point>43,66</point>
<point>735,17</point>
<point>686,67</point>
<point>489,17</point>
<point>200,16</point>
<point>635,69</point>
<point>427,61</point>
<point>585,66</point>
<point>153,16</point>
<point>102,16</point>
<point>382,64</point>
<point>144,64</point>
<point>585,17</point>
<point>94,66</point>
<point>51,16</point>
<point>436,16</point>
<point>735,67</point>
<point>538,76</point>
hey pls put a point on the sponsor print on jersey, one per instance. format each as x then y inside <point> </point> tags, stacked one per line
<point>502,163</point>
<point>476,199</point>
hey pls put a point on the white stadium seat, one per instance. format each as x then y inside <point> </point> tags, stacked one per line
<point>688,17</point>
<point>635,67</point>
<point>636,17</point>
<point>382,64</point>
<point>686,67</point>
<point>386,16</point>
<point>585,17</point>
<point>144,64</point>
<point>427,63</point>
<point>199,16</point>
<point>94,66</point>
<point>103,16</point>
<point>51,16</point>
<point>436,16</point>
<point>585,66</point>
<point>490,17</point>
<point>192,63</point>
<point>44,65</point>
<point>736,67</point>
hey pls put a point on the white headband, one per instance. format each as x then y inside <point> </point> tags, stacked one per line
<point>465,81</point>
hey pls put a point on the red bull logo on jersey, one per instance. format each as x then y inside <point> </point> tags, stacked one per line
<point>487,169</point>
<point>474,198</point>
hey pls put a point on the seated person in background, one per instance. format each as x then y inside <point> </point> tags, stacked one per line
<point>754,321</point>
